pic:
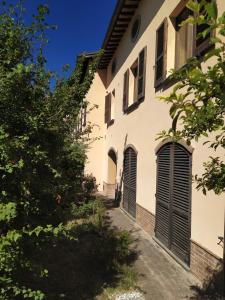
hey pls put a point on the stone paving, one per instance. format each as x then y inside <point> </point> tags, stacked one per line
<point>160,277</point>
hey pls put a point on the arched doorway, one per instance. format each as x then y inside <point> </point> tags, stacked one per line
<point>130,178</point>
<point>111,178</point>
<point>173,199</point>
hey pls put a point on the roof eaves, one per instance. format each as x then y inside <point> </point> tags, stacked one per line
<point>120,20</point>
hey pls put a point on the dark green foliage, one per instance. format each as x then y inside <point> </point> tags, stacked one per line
<point>83,211</point>
<point>41,156</point>
<point>198,100</point>
<point>83,266</point>
<point>89,187</point>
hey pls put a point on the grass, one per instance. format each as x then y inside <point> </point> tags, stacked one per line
<point>92,262</point>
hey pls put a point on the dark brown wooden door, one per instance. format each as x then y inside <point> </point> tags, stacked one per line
<point>173,199</point>
<point>130,178</point>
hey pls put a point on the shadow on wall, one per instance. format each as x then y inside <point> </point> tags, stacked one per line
<point>152,7</point>
<point>212,288</point>
<point>118,195</point>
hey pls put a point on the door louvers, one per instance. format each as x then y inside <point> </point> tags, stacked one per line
<point>173,199</point>
<point>129,190</point>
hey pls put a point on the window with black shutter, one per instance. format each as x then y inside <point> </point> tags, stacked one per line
<point>141,74</point>
<point>173,199</point>
<point>125,90</point>
<point>202,44</point>
<point>108,108</point>
<point>129,180</point>
<point>189,41</point>
<point>134,83</point>
<point>161,53</point>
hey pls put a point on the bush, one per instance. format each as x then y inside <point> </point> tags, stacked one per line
<point>89,187</point>
<point>83,211</point>
<point>41,156</point>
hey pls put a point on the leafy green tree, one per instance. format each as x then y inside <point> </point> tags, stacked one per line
<point>41,154</point>
<point>198,99</point>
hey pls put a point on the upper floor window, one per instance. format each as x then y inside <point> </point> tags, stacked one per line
<point>135,28</point>
<point>109,108</point>
<point>113,67</point>
<point>134,81</point>
<point>201,44</point>
<point>161,51</point>
<point>184,39</point>
<point>188,42</point>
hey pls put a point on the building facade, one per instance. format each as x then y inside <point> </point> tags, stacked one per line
<point>143,42</point>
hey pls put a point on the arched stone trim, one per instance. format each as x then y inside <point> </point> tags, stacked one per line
<point>132,147</point>
<point>182,142</point>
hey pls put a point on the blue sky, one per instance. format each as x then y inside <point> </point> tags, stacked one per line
<point>81,27</point>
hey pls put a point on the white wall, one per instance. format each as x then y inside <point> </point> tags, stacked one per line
<point>143,124</point>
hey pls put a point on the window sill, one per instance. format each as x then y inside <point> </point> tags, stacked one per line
<point>169,81</point>
<point>133,106</point>
<point>165,83</point>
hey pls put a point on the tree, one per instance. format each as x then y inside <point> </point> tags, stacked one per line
<point>41,155</point>
<point>198,99</point>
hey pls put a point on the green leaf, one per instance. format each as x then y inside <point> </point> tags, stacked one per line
<point>211,9</point>
<point>189,20</point>
<point>193,6</point>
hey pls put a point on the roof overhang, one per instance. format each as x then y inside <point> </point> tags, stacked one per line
<point>122,15</point>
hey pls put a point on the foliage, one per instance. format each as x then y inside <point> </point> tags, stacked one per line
<point>89,187</point>
<point>198,99</point>
<point>41,155</point>
<point>83,211</point>
<point>86,262</point>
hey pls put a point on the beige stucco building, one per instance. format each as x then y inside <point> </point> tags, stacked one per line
<point>142,44</point>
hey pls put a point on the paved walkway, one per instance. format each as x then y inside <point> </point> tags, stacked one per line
<point>160,277</point>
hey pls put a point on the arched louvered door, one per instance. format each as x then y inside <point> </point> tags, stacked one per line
<point>129,187</point>
<point>173,199</point>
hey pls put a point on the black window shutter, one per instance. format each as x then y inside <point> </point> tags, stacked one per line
<point>163,194</point>
<point>201,45</point>
<point>107,108</point>
<point>165,48</point>
<point>173,199</point>
<point>130,178</point>
<point>141,73</point>
<point>125,90</point>
<point>181,205</point>
<point>161,53</point>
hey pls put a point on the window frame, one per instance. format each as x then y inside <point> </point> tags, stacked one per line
<point>137,98</point>
<point>108,109</point>
<point>194,50</point>
<point>189,34</point>
<point>135,36</point>
<point>134,70</point>
<point>163,55</point>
